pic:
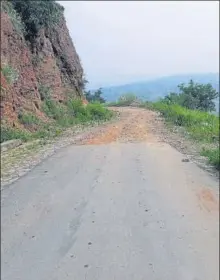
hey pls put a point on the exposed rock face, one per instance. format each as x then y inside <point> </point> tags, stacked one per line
<point>48,62</point>
<point>15,53</point>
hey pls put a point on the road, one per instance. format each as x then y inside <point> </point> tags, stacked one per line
<point>117,205</point>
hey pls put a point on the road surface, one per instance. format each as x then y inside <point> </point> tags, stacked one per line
<point>118,205</point>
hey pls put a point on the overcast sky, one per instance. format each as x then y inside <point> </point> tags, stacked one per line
<point>126,41</point>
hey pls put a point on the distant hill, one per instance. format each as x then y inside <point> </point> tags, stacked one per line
<point>153,89</point>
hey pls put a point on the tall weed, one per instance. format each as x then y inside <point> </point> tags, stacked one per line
<point>201,126</point>
<point>61,116</point>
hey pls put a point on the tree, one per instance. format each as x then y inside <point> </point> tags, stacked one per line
<point>38,14</point>
<point>194,96</point>
<point>95,97</point>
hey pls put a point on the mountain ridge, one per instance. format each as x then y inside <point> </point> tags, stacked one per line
<point>158,87</point>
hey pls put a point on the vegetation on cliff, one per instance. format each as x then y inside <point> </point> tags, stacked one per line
<point>30,16</point>
<point>61,116</point>
<point>42,81</point>
<point>8,7</point>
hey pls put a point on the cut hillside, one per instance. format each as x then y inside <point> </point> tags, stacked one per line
<point>38,60</point>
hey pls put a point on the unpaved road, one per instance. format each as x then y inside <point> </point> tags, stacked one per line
<point>118,205</point>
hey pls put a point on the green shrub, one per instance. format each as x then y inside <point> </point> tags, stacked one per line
<point>201,125</point>
<point>53,109</point>
<point>92,112</point>
<point>9,133</point>
<point>73,111</point>
<point>213,156</point>
<point>10,74</point>
<point>38,14</point>
<point>75,106</point>
<point>17,23</point>
<point>63,115</point>
<point>194,96</point>
<point>98,112</point>
<point>28,119</point>
<point>41,133</point>
<point>45,92</point>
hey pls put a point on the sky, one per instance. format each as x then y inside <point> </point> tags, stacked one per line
<point>128,41</point>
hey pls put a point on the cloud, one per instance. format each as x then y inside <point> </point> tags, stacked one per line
<point>125,41</point>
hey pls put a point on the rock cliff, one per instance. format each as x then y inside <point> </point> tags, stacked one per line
<point>38,58</point>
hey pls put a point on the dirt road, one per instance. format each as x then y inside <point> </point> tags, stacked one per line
<point>118,204</point>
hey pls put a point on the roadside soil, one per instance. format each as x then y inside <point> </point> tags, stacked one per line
<point>132,125</point>
<point>138,125</point>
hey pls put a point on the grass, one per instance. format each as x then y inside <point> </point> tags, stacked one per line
<point>213,156</point>
<point>73,112</point>
<point>201,126</point>
<point>29,119</point>
<point>60,116</point>
<point>9,133</point>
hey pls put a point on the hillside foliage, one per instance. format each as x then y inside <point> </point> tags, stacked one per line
<point>194,96</point>
<point>60,116</point>
<point>30,16</point>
